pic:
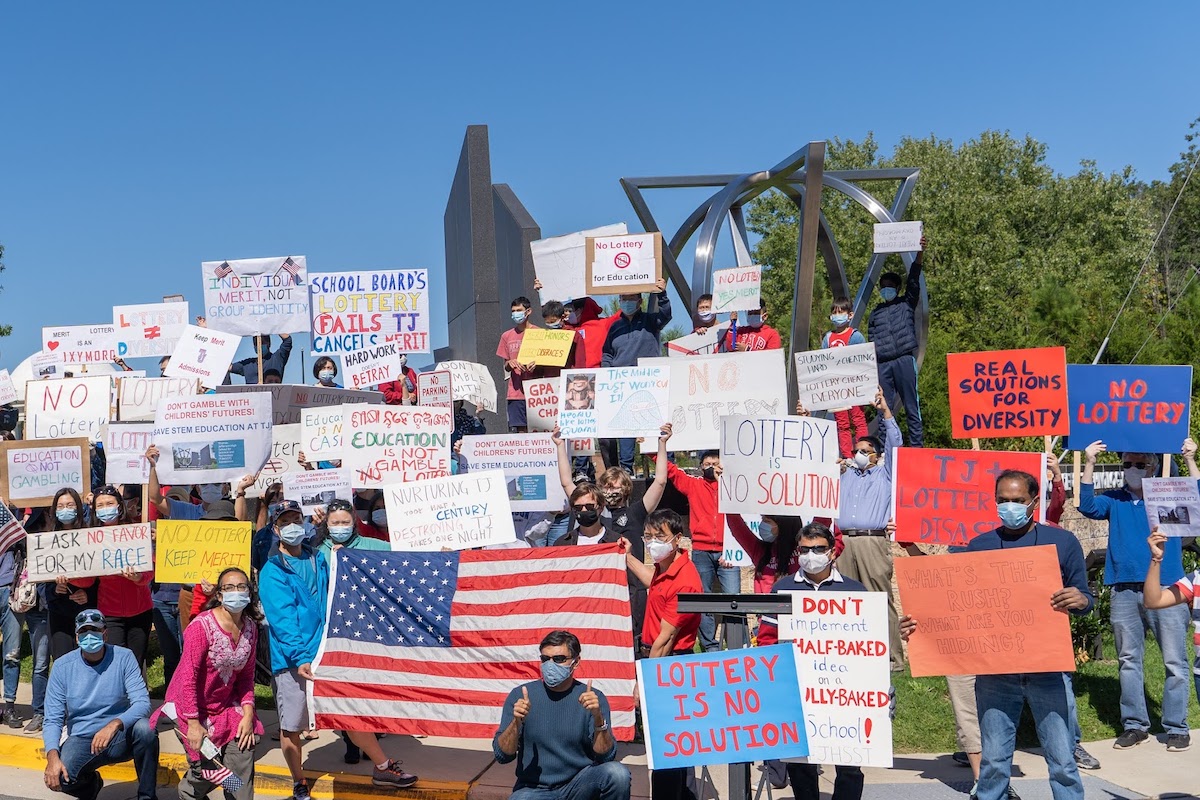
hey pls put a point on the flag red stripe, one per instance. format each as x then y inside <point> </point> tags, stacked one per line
<point>419,694</point>
<point>420,727</point>
<point>514,670</point>
<point>583,553</point>
<point>549,605</point>
<point>510,638</point>
<point>574,577</point>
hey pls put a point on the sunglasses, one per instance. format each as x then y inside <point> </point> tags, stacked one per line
<point>1135,465</point>
<point>557,659</point>
<point>819,549</point>
<point>586,507</point>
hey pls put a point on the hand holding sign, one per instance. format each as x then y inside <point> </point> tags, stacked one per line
<point>1094,450</point>
<point>1157,542</point>
<point>1068,599</point>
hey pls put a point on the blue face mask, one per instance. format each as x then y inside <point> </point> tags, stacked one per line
<point>554,675</point>
<point>754,320</point>
<point>66,515</point>
<point>839,319</point>
<point>326,375</point>
<point>342,533</point>
<point>292,535</point>
<point>888,294</point>
<point>379,517</point>
<point>630,307</point>
<point>554,325</point>
<point>108,513</point>
<point>235,601</point>
<point>1013,515</point>
<point>91,643</point>
<point>518,317</point>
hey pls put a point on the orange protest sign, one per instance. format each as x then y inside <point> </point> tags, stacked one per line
<point>985,613</point>
<point>1009,393</point>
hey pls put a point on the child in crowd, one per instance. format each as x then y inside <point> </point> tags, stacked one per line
<point>851,422</point>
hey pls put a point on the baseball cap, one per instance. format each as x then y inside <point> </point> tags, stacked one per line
<point>284,506</point>
<point>89,618</point>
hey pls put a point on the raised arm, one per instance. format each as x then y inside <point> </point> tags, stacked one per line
<point>153,489</point>
<point>654,491</point>
<point>565,476</point>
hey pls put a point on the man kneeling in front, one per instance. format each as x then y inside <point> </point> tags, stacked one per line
<point>558,731</point>
<point>98,695</point>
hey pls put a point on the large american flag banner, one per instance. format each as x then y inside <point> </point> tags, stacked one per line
<point>432,643</point>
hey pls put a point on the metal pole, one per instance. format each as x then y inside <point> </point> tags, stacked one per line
<point>806,259</point>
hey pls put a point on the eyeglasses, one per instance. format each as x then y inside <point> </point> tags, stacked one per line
<point>818,549</point>
<point>236,587</point>
<point>1135,465</point>
<point>658,537</point>
<point>586,507</point>
<point>557,659</point>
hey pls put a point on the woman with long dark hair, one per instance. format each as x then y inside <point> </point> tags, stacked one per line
<point>65,598</point>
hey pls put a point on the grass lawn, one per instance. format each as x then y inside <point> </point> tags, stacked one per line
<point>925,723</point>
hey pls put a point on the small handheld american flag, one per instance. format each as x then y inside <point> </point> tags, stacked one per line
<point>223,271</point>
<point>11,530</point>
<point>291,268</point>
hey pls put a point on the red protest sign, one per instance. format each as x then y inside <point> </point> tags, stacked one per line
<point>949,496</point>
<point>1009,393</point>
<point>985,613</point>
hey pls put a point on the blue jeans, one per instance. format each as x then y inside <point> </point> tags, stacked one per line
<point>999,699</point>
<point>166,625</point>
<point>139,744</point>
<point>1130,618</point>
<point>10,630</point>
<point>1073,710</point>
<point>730,578</point>
<point>608,781</point>
<point>899,377</point>
<point>626,450</point>
<point>38,622</point>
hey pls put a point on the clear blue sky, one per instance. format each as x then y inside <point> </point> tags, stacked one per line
<point>139,139</point>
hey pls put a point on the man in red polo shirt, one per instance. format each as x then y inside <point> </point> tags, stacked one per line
<point>708,535</point>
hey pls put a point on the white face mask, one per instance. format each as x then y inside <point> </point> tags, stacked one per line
<point>659,550</point>
<point>814,563</point>
<point>1133,477</point>
<point>861,459</point>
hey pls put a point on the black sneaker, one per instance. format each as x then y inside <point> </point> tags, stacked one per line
<point>300,791</point>
<point>392,776</point>
<point>1130,738</point>
<point>961,759</point>
<point>1178,742</point>
<point>93,791</point>
<point>35,724</point>
<point>1084,759</point>
<point>10,718</point>
<point>1012,793</point>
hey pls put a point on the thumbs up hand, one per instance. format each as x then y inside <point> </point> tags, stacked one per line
<point>591,702</point>
<point>521,707</point>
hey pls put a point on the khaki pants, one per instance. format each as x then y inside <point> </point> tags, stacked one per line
<point>868,560</point>
<point>966,715</point>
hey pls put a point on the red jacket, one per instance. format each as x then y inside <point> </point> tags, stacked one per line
<point>707,525</point>
<point>393,392</point>
<point>763,338</point>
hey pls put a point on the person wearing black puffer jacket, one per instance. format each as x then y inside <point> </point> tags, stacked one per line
<point>892,327</point>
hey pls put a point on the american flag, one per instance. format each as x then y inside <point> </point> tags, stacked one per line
<point>11,530</point>
<point>290,267</point>
<point>432,643</point>
<point>223,271</point>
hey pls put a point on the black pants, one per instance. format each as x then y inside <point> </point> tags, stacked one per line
<point>670,784</point>
<point>132,632</point>
<point>62,635</point>
<point>806,783</point>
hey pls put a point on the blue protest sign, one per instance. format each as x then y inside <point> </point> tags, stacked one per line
<point>722,707</point>
<point>1130,408</point>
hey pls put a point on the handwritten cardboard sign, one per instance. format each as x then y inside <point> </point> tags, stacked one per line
<point>1009,393</point>
<point>81,344</point>
<point>471,382</point>
<point>302,397</point>
<point>8,392</point>
<point>736,289</point>
<point>150,329</point>
<point>455,512</point>
<point>529,462</point>
<point>623,264</point>
<point>125,445</point>
<point>68,407</point>
<point>546,347</point>
<point>137,398</point>
<point>317,487</point>
<point>391,444</point>
<point>842,654</point>
<point>785,465</point>
<point>212,438</point>
<point>204,355</point>
<point>189,551</point>
<point>836,378</point>
<point>283,411</point>
<point>356,310</point>
<point>1133,409</point>
<point>949,496</point>
<point>985,613</point>
<point>89,552</point>
<point>434,388</point>
<point>373,365</point>
<point>898,237</point>
<point>31,472</point>
<point>705,388</point>
<point>559,262</point>
<point>321,433</point>
<point>734,553</point>
<point>722,707</point>
<point>613,402</point>
<point>256,295</point>
<point>283,461</point>
<point>541,403</point>
<point>698,344</point>
<point>1172,505</point>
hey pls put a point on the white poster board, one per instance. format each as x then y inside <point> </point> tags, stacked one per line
<point>372,366</point>
<point>614,402</point>
<point>212,438</point>
<point>317,487</point>
<point>844,668</point>
<point>383,445</point>
<point>435,388</point>
<point>529,462</point>
<point>733,551</point>
<point>32,474</point>
<point>898,237</point>
<point>736,289</point>
<point>704,388</point>
<point>357,310</point>
<point>68,407</point>
<point>151,329</point>
<point>471,382</point>
<point>203,354</point>
<point>321,433</point>
<point>81,344</point>
<point>1172,505</point>
<point>456,512</point>
<point>125,445</point>
<point>8,392</point>
<point>781,465</point>
<point>837,378</point>
<point>698,344</point>
<point>284,460</point>
<point>541,403</point>
<point>89,552</point>
<point>302,397</point>
<point>623,264</point>
<point>138,397</point>
<point>559,262</point>
<point>256,295</point>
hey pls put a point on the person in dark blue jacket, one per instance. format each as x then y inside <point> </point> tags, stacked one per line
<point>248,367</point>
<point>1000,698</point>
<point>892,327</point>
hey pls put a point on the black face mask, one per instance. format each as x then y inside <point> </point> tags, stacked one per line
<point>710,474</point>
<point>587,518</point>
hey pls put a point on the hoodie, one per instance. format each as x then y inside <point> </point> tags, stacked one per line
<point>295,616</point>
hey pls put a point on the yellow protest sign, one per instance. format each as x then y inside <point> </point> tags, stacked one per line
<point>546,348</point>
<point>187,551</point>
